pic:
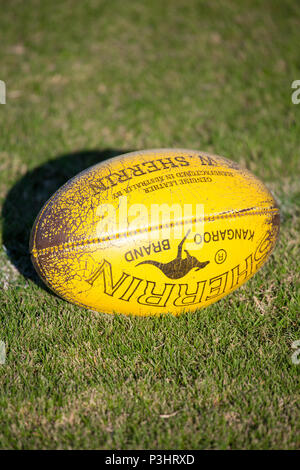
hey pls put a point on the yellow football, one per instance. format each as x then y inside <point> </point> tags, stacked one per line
<point>154,232</point>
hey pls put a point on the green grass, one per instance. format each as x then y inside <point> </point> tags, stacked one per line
<point>88,80</point>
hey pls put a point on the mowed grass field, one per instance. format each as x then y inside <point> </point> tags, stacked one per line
<point>92,79</point>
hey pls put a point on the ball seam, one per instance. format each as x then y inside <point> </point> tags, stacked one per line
<point>125,234</point>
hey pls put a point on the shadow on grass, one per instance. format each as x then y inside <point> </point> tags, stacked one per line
<point>29,194</point>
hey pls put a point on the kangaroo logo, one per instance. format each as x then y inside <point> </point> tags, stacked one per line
<point>179,266</point>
